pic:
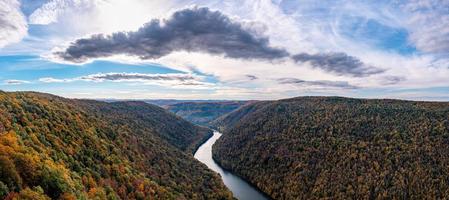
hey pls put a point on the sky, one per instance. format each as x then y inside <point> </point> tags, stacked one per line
<point>221,49</point>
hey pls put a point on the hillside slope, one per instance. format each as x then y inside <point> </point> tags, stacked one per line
<point>339,148</point>
<point>150,118</point>
<point>202,113</point>
<point>51,147</point>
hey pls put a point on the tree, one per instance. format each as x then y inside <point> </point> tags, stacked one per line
<point>9,175</point>
<point>53,183</point>
<point>32,194</point>
<point>4,190</point>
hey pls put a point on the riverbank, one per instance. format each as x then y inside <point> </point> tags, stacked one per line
<point>241,189</point>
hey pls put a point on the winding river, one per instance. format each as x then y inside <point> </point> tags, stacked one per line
<point>239,187</point>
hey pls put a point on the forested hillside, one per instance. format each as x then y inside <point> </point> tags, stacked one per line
<point>144,117</point>
<point>339,148</point>
<point>203,113</point>
<point>57,148</point>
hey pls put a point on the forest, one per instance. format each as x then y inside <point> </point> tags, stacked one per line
<point>204,113</point>
<point>339,148</point>
<point>57,148</point>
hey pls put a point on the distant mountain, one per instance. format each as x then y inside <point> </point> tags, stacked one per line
<point>162,102</point>
<point>167,102</point>
<point>339,148</point>
<point>57,148</point>
<point>200,112</point>
<point>230,119</point>
<point>203,113</point>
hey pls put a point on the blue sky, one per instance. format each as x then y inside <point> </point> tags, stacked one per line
<point>253,49</point>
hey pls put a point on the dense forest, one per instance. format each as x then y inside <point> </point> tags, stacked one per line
<point>56,148</point>
<point>203,113</point>
<point>339,148</point>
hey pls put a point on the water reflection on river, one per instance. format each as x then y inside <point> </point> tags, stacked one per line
<point>239,187</point>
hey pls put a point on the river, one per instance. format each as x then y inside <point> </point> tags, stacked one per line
<point>239,187</point>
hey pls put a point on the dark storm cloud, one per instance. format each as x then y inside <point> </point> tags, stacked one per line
<point>327,84</point>
<point>192,30</point>
<point>338,63</point>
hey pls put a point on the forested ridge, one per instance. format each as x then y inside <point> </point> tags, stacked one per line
<point>145,117</point>
<point>203,113</point>
<point>339,148</point>
<point>56,148</point>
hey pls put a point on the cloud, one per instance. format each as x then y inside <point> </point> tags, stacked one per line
<point>371,35</point>
<point>137,77</point>
<point>51,11</point>
<point>173,79</point>
<point>319,84</point>
<point>428,24</point>
<point>392,80</point>
<point>13,26</point>
<point>192,30</point>
<point>15,82</point>
<point>338,63</point>
<point>55,80</point>
<point>251,77</point>
<point>104,16</point>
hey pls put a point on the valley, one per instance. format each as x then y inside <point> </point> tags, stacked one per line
<point>224,100</point>
<point>299,148</point>
<point>204,113</point>
<point>239,187</point>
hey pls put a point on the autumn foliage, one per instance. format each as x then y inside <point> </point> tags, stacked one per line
<point>56,148</point>
<point>339,148</point>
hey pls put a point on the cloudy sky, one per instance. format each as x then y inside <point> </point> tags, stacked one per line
<point>220,49</point>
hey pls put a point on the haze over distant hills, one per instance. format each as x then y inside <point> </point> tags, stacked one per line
<point>200,112</point>
<point>163,102</point>
<point>204,113</point>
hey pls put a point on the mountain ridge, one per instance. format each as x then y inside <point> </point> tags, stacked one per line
<point>204,113</point>
<point>334,147</point>
<point>52,147</point>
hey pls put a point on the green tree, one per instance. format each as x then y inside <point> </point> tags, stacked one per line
<point>53,183</point>
<point>9,175</point>
<point>3,190</point>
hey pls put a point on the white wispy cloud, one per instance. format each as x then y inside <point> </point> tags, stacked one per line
<point>15,82</point>
<point>13,26</point>
<point>104,16</point>
<point>55,80</point>
<point>428,23</point>
<point>53,10</point>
